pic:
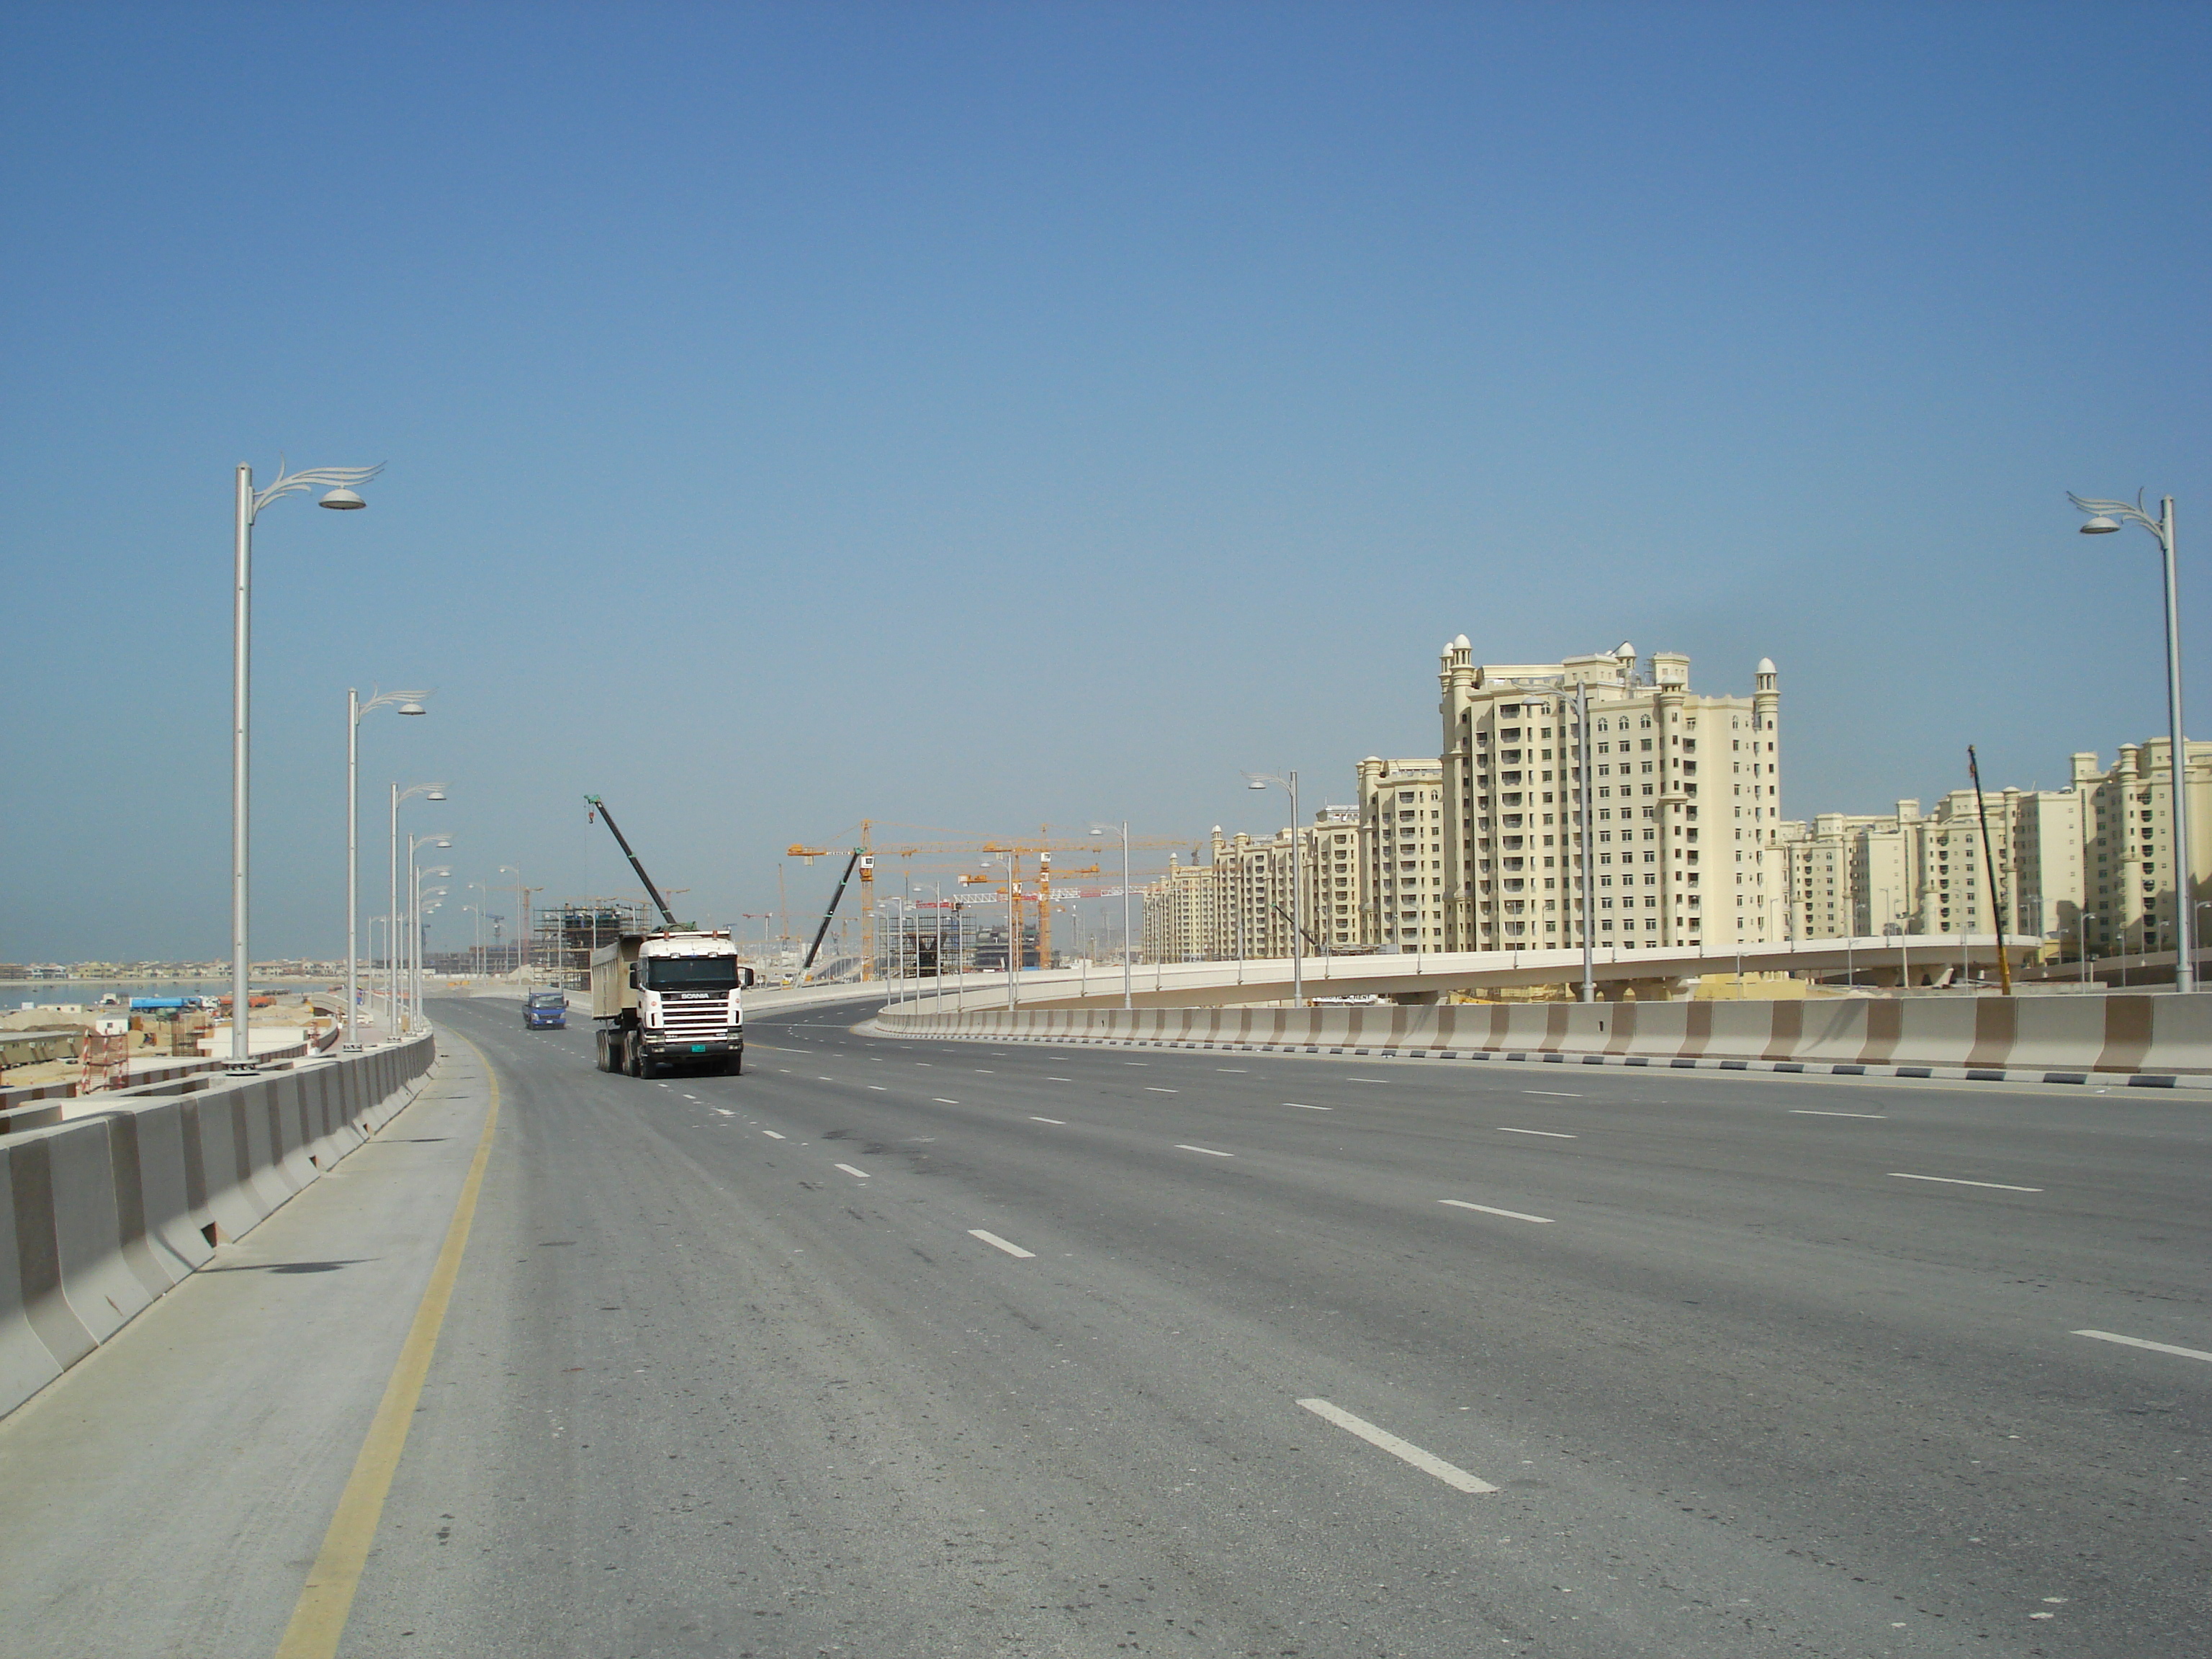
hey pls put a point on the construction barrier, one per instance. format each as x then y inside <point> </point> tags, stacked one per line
<point>102,1215</point>
<point>2155,1040</point>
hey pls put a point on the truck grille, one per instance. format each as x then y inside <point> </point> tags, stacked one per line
<point>694,1021</point>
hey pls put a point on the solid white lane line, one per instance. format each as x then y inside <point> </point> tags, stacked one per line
<point>2155,1347</point>
<point>1155,1088</point>
<point>1815,1111</point>
<point>771,1134</point>
<point>1428,1462</point>
<point>998,1243</point>
<point>1511,1215</point>
<point>850,1171</point>
<point>1208,1151</point>
<point>1302,1107</point>
<point>941,1101</point>
<point>1954,1180</point>
<point>1062,1121</point>
<point>1548,1134</point>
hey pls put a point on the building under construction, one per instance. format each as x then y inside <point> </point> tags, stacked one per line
<point>567,933</point>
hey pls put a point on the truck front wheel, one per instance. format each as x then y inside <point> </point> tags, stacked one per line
<point>734,1066</point>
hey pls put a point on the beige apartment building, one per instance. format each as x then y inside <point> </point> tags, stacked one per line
<point>1681,792</point>
<point>2127,865</point>
<point>1238,902</point>
<point>1403,854</point>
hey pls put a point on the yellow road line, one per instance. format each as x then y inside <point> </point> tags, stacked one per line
<point>319,1617</point>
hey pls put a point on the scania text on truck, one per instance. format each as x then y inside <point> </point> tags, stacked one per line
<point>668,999</point>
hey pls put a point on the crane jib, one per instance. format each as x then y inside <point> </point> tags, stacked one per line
<point>822,931</point>
<point>623,840</point>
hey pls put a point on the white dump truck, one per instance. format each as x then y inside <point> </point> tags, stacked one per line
<point>668,999</point>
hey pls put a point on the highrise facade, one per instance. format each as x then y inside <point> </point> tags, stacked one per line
<point>1679,792</point>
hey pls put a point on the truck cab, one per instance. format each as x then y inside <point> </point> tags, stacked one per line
<point>545,1010</point>
<point>670,1000</point>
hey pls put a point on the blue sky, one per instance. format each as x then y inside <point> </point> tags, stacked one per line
<point>979,417</point>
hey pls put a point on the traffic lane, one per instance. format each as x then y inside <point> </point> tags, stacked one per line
<point>822,1413</point>
<point>2116,1213</point>
<point>1631,1536</point>
<point>1920,1260</point>
<point>2132,1121</point>
<point>1790,1350</point>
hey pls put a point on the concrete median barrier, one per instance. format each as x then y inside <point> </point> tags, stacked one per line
<point>102,1215</point>
<point>2157,1041</point>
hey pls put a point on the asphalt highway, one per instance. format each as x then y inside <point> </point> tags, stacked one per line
<point>928,1348</point>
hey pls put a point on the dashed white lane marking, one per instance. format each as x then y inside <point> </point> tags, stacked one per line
<point>850,1171</point>
<point>879,1088</point>
<point>1562,1094</point>
<point>1548,1134</point>
<point>1155,1088</point>
<point>1208,1151</point>
<point>1427,1462</point>
<point>1954,1180</point>
<point>1302,1107</point>
<point>1062,1121</point>
<point>1136,1062</point>
<point>1060,1079</point>
<point>1815,1111</point>
<point>941,1101</point>
<point>825,1079</point>
<point>2140,1342</point>
<point>772,1134</point>
<point>725,1111</point>
<point>985,1070</point>
<point>691,1096</point>
<point>998,1243</point>
<point>1511,1215</point>
<point>1232,1070</point>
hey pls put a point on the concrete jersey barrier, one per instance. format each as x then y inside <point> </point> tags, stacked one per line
<point>103,1215</point>
<point>2157,1040</point>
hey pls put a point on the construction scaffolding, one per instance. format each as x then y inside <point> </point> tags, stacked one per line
<point>567,933</point>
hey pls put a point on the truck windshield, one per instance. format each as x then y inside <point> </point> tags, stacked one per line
<point>548,999</point>
<point>689,973</point>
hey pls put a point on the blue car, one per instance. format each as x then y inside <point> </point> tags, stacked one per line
<point>545,1010</point>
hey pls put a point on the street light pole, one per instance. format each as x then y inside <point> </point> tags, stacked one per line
<point>249,502</point>
<point>2105,517</point>
<point>407,703</point>
<point>428,792</point>
<point>1289,781</point>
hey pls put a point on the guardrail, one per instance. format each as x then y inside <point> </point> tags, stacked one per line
<point>101,1216</point>
<point>2153,1040</point>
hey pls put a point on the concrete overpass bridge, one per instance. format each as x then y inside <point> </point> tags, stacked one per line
<point>1425,977</point>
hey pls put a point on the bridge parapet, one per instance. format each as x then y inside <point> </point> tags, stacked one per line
<point>102,1215</point>
<point>2154,1040</point>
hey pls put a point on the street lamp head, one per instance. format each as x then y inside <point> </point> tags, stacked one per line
<point>342,500</point>
<point>415,708</point>
<point>435,794</point>
<point>1255,784</point>
<point>2099,525</point>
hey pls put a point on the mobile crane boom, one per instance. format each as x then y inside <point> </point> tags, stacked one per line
<point>667,914</point>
